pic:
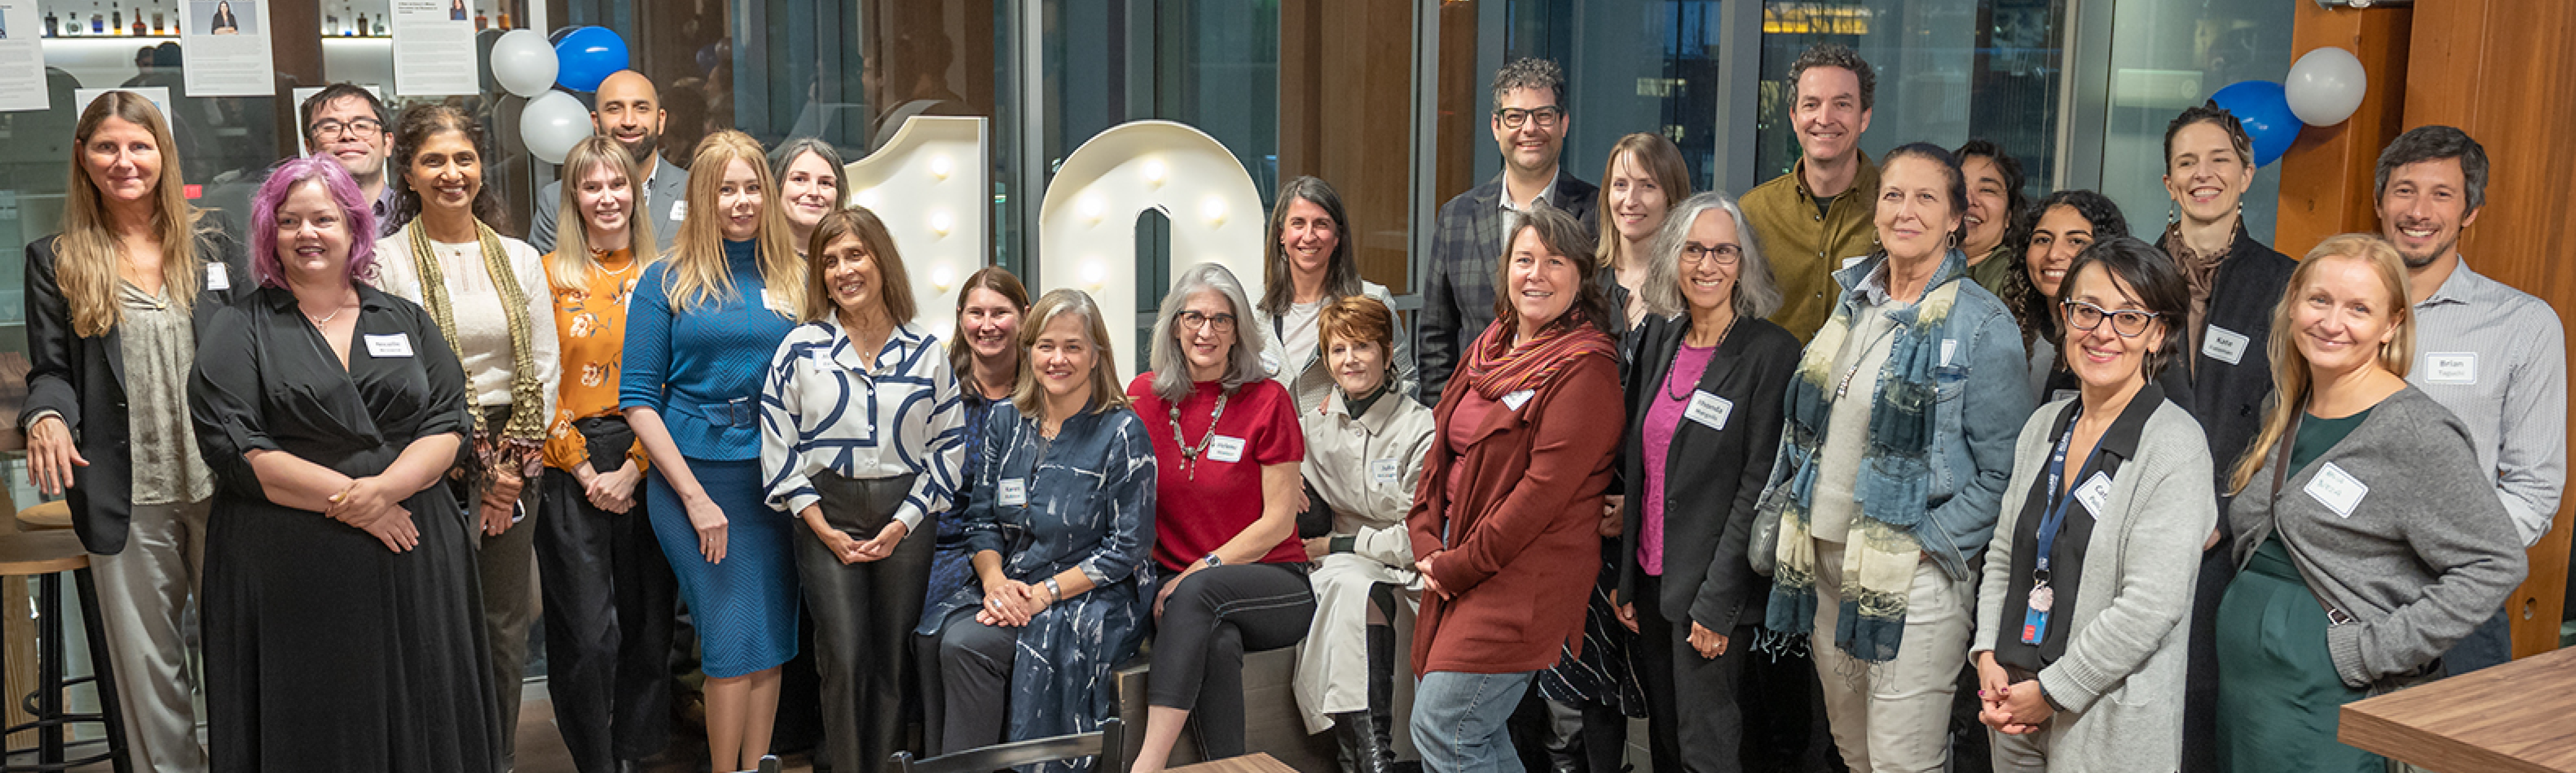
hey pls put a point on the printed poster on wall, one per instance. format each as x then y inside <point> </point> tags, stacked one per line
<point>159,95</point>
<point>227,45</point>
<point>22,56</point>
<point>434,49</point>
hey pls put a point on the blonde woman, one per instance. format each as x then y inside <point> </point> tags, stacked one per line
<point>2364,483</point>
<point>1644,179</point>
<point>698,337</point>
<point>607,589</point>
<point>115,303</point>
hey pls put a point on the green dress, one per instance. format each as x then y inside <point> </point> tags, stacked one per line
<point>2278,695</point>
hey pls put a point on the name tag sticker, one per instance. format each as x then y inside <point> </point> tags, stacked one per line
<point>1515,400</point>
<point>1015,492</point>
<point>679,210</point>
<point>2336,489</point>
<point>1270,361</point>
<point>2451,368</point>
<point>1709,410</point>
<point>1225,449</point>
<point>1384,472</point>
<point>389,345</point>
<point>216,279</point>
<point>2095,494</point>
<point>1949,349</point>
<point>2224,345</point>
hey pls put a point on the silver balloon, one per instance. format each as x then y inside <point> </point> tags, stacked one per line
<point>523,63</point>
<point>2325,86</point>
<point>551,124</point>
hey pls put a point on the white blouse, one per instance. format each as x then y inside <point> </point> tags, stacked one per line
<point>482,332</point>
<point>898,413</point>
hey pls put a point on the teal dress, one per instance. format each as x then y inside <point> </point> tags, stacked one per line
<point>2278,695</point>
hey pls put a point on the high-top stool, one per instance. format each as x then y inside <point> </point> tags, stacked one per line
<point>46,556</point>
<point>52,515</point>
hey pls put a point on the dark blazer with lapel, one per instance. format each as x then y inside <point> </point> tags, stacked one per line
<point>2228,399</point>
<point>1711,477</point>
<point>84,378</point>
<point>665,186</point>
<point>1466,250</point>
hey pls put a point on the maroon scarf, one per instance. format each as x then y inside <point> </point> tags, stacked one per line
<point>1496,367</point>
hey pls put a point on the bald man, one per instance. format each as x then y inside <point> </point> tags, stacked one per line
<point>629,111</point>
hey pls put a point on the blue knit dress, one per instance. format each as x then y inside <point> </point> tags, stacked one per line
<point>700,369</point>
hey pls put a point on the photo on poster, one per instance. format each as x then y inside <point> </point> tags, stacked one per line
<point>225,17</point>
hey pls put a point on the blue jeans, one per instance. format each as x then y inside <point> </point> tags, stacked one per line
<point>1458,721</point>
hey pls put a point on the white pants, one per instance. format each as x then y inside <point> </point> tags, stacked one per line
<point>143,593</point>
<point>1893,717</point>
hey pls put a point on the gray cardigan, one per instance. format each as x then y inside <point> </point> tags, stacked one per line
<point>2130,622</point>
<point>2426,555</point>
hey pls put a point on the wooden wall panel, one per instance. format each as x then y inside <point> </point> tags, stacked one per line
<point>2501,71</point>
<point>2325,177</point>
<point>1346,116</point>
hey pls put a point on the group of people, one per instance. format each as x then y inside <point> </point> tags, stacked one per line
<point>1877,415</point>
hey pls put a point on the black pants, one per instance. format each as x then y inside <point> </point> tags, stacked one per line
<point>2200,666</point>
<point>1706,737</point>
<point>863,618</point>
<point>608,597</point>
<point>1208,623</point>
<point>965,682</point>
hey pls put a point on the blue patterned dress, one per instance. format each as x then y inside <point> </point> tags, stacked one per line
<point>950,568</point>
<point>1090,506</point>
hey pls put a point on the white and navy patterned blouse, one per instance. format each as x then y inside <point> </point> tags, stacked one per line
<point>825,407</point>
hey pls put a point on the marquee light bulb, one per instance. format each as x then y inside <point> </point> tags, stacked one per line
<point>940,167</point>
<point>942,276</point>
<point>940,222</point>
<point>1094,274</point>
<point>1154,171</point>
<point>868,198</point>
<point>1213,208</point>
<point>1092,207</point>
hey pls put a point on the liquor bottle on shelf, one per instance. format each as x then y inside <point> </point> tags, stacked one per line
<point>140,29</point>
<point>380,23</point>
<point>505,17</point>
<point>53,24</point>
<point>115,19</point>
<point>362,24</point>
<point>160,23</point>
<point>97,21</point>
<point>330,24</point>
<point>481,22</point>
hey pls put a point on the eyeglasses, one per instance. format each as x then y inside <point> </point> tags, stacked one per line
<point>363,127</point>
<point>2129,323</point>
<point>1724,254</point>
<point>1193,320</point>
<point>1513,117</point>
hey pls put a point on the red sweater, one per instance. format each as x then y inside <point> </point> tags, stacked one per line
<point>1198,510</point>
<point>1523,547</point>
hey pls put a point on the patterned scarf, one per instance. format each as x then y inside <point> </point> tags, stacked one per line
<point>520,448</point>
<point>1893,486</point>
<point>1496,367</point>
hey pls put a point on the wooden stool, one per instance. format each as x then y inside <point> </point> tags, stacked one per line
<point>47,556</point>
<point>56,514</point>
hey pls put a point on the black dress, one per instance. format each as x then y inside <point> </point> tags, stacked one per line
<point>324,650</point>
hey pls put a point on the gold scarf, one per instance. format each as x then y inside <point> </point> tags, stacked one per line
<point>518,450</point>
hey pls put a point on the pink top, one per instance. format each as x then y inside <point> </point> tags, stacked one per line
<point>1663,415</point>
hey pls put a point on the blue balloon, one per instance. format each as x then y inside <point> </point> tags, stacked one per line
<point>2264,108</point>
<point>590,54</point>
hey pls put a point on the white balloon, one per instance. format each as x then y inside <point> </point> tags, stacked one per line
<point>2325,86</point>
<point>523,62</point>
<point>551,124</point>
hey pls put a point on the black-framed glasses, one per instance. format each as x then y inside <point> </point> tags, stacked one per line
<point>1694,254</point>
<point>330,128</point>
<point>2129,323</point>
<point>1193,320</point>
<point>1513,117</point>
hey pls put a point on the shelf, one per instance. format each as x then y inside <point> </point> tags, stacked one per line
<point>108,38</point>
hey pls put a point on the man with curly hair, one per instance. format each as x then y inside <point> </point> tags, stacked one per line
<point>1806,223</point>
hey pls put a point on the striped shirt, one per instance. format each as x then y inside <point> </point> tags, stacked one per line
<point>825,407</point>
<point>2497,358</point>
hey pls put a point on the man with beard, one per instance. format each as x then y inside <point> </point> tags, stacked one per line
<point>1818,218</point>
<point>2492,354</point>
<point>629,110</point>
<point>349,124</point>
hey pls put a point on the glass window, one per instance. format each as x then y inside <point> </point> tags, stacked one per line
<point>2169,55</point>
<point>1630,66</point>
<point>1948,71</point>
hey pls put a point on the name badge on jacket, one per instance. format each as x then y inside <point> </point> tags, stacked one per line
<point>2336,489</point>
<point>1385,472</point>
<point>2460,368</point>
<point>679,210</point>
<point>389,345</point>
<point>2224,345</point>
<point>216,279</point>
<point>1515,400</point>
<point>1014,492</point>
<point>1709,410</point>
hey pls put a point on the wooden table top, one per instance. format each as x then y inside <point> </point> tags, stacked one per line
<point>2510,718</point>
<point>1256,762</point>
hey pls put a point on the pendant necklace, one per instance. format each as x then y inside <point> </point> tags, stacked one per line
<point>1721,341</point>
<point>1190,453</point>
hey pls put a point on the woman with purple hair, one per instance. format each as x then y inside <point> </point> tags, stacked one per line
<point>351,640</point>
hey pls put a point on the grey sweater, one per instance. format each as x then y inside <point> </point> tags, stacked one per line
<point>2131,619</point>
<point>2425,555</point>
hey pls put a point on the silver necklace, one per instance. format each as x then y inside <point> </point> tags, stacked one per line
<point>1675,376</point>
<point>324,319</point>
<point>1189,453</point>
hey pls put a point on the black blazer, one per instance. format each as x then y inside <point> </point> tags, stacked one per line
<point>83,377</point>
<point>1711,477</point>
<point>2228,399</point>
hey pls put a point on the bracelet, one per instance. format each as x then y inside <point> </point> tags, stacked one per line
<point>1055,592</point>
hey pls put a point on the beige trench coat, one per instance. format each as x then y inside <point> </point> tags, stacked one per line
<point>1365,468</point>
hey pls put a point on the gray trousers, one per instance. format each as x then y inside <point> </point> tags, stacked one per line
<point>143,593</point>
<point>965,682</point>
<point>508,565</point>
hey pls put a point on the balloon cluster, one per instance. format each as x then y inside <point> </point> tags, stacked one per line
<point>2324,88</point>
<point>545,71</point>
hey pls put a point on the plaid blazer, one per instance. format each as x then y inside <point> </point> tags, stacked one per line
<point>1458,289</point>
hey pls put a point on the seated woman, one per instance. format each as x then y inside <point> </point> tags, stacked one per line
<point>1225,513</point>
<point>1060,522</point>
<point>2083,609</point>
<point>2364,483</point>
<point>1364,451</point>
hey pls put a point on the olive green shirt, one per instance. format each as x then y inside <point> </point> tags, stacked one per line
<point>1991,272</point>
<point>1804,248</point>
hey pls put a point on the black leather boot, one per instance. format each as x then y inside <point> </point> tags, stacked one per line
<point>1381,703</point>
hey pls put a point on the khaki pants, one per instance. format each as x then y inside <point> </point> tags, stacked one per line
<point>143,590</point>
<point>1893,717</point>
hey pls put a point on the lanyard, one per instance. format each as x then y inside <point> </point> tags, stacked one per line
<point>2058,498</point>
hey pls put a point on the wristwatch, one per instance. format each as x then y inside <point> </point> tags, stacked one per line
<point>1212,561</point>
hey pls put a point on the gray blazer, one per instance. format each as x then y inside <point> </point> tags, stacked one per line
<point>2425,556</point>
<point>665,187</point>
<point>2128,629</point>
